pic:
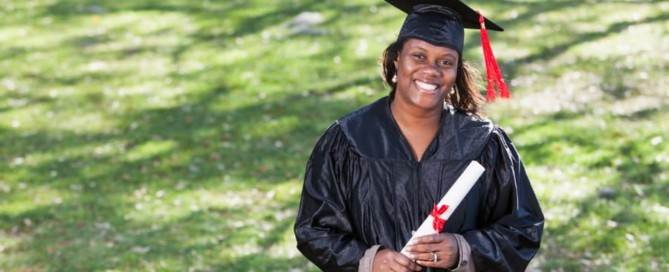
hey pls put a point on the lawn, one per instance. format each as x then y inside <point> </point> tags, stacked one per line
<point>172,135</point>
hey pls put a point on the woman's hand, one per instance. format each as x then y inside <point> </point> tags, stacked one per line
<point>390,260</point>
<point>443,246</point>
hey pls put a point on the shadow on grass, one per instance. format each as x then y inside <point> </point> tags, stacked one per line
<point>198,240</point>
<point>574,38</point>
<point>89,229</point>
<point>74,235</point>
<point>613,29</point>
<point>193,146</point>
<point>620,206</point>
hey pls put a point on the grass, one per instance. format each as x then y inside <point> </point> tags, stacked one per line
<point>172,135</point>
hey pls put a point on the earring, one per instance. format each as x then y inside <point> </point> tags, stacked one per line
<point>394,79</point>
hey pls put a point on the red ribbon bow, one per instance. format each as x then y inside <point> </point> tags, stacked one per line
<point>438,223</point>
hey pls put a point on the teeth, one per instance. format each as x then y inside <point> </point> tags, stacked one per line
<point>426,86</point>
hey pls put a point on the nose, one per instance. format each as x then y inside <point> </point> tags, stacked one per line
<point>432,70</point>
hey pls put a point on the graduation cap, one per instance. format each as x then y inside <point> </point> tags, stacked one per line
<point>442,23</point>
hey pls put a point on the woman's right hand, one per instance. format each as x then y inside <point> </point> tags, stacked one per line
<point>390,260</point>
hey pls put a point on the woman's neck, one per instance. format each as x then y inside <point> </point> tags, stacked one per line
<point>415,118</point>
<point>419,127</point>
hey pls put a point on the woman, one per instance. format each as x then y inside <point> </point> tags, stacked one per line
<point>375,174</point>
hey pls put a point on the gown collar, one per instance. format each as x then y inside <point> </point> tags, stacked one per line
<point>373,133</point>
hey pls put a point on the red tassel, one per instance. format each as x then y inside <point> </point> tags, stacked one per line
<point>492,69</point>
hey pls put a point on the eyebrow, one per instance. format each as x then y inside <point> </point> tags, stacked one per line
<point>424,49</point>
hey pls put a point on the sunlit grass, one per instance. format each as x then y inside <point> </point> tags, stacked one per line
<point>172,135</point>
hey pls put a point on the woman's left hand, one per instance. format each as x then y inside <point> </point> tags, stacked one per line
<point>437,250</point>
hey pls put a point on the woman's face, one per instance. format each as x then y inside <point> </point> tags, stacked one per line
<point>425,74</point>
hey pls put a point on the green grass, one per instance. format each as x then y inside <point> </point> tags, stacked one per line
<point>172,135</point>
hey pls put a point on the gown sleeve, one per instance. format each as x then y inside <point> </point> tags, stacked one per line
<point>512,220</point>
<point>323,227</point>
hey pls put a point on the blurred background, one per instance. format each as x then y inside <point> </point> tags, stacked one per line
<point>172,135</point>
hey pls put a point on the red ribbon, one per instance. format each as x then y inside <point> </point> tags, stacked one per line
<point>438,223</point>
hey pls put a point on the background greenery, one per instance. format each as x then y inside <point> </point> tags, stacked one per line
<point>172,135</point>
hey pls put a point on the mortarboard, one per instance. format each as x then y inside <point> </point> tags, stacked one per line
<point>442,23</point>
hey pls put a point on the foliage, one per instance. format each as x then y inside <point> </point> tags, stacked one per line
<point>172,135</point>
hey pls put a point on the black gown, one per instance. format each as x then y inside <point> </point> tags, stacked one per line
<point>363,187</point>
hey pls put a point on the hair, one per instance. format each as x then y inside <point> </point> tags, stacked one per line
<point>466,98</point>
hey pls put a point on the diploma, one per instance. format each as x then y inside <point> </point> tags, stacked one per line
<point>442,211</point>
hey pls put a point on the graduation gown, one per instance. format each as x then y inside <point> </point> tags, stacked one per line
<point>363,187</point>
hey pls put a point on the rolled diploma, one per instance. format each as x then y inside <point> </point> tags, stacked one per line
<point>453,197</point>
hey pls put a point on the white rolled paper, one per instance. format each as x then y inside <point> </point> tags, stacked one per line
<point>452,198</point>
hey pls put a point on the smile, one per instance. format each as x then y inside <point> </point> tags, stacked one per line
<point>427,87</point>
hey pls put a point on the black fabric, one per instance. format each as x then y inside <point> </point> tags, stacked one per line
<point>468,16</point>
<point>435,24</point>
<point>363,187</point>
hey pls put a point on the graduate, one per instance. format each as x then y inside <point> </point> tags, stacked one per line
<point>376,173</point>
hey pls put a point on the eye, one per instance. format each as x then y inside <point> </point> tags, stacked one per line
<point>418,56</point>
<point>446,63</point>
